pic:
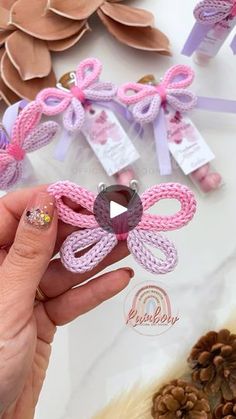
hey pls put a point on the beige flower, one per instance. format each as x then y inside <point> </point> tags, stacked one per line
<point>129,25</point>
<point>29,31</point>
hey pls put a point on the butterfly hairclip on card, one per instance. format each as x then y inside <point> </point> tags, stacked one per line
<point>136,226</point>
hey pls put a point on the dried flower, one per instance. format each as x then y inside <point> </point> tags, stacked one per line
<point>213,360</point>
<point>179,399</point>
<point>129,25</point>
<point>28,32</point>
<point>225,410</point>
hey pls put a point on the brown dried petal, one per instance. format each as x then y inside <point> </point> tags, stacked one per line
<point>147,39</point>
<point>4,17</point>
<point>3,36</point>
<point>41,22</point>
<point>75,9</point>
<point>29,55</point>
<point>7,4</point>
<point>25,89</point>
<point>64,44</point>
<point>130,16</point>
<point>7,94</point>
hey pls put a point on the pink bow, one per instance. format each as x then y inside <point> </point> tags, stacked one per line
<point>212,11</point>
<point>27,136</point>
<point>86,87</point>
<point>147,99</point>
<point>101,242</point>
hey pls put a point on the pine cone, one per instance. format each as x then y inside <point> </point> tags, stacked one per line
<point>179,399</point>
<point>213,360</point>
<point>225,410</point>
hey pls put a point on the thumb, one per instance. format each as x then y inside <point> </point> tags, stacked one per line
<point>31,251</point>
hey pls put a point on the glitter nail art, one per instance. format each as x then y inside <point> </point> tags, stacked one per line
<point>40,213</point>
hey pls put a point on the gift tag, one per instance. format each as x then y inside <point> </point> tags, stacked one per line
<point>108,139</point>
<point>216,37</point>
<point>186,144</point>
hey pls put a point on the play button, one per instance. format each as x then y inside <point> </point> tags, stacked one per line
<point>118,209</point>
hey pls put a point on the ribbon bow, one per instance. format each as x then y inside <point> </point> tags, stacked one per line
<point>26,136</point>
<point>87,87</point>
<point>147,101</point>
<point>207,14</point>
<point>101,242</point>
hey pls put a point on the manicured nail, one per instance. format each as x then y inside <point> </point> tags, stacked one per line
<point>39,212</point>
<point>130,271</point>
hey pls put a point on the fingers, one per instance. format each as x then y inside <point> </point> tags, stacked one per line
<point>73,303</point>
<point>58,280</point>
<point>30,253</point>
<point>12,207</point>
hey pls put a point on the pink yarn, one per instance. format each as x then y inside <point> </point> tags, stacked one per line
<point>101,243</point>
<point>146,100</point>
<point>78,93</point>
<point>27,135</point>
<point>161,90</point>
<point>16,151</point>
<point>87,87</point>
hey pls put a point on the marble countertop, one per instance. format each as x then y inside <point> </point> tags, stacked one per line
<point>97,356</point>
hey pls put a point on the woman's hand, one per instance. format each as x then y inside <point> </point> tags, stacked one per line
<point>29,237</point>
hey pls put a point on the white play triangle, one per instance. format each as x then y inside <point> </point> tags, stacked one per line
<point>116,209</point>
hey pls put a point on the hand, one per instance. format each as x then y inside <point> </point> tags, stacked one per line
<point>27,329</point>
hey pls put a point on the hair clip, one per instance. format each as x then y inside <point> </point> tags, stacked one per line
<point>101,242</point>
<point>86,87</point>
<point>27,135</point>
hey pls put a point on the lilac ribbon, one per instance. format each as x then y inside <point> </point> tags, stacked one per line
<point>216,105</point>
<point>233,45</point>
<point>161,142</point>
<point>207,14</point>
<point>11,114</point>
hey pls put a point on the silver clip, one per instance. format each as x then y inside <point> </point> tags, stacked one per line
<point>134,185</point>
<point>101,187</point>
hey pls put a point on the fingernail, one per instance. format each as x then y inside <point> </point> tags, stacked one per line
<point>130,271</point>
<point>40,210</point>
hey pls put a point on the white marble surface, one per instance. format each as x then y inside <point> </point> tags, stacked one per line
<point>97,356</point>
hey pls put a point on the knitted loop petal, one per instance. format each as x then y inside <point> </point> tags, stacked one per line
<point>27,135</point>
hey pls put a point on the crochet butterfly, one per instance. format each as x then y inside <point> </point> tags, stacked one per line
<point>101,242</point>
<point>28,135</point>
<point>86,87</point>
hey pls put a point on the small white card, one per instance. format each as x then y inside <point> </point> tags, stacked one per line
<point>108,139</point>
<point>186,144</point>
<point>215,38</point>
